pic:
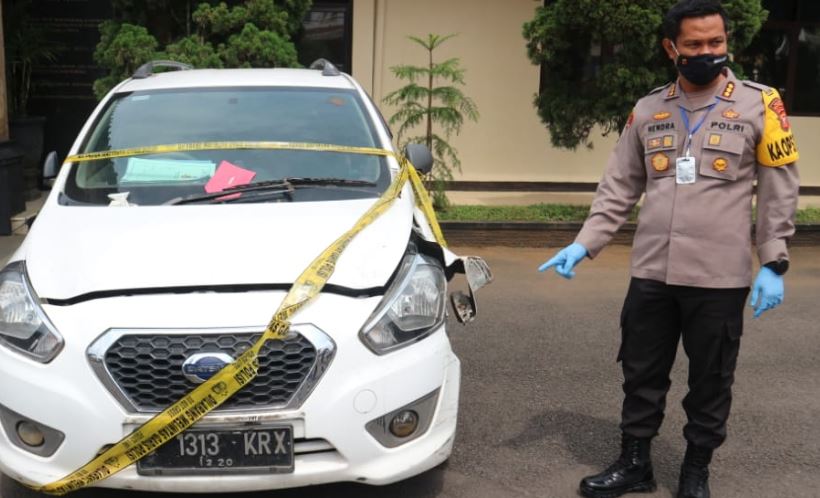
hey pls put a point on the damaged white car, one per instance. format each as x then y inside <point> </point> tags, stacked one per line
<point>175,229</point>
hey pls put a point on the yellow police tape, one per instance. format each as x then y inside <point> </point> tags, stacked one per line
<point>216,390</point>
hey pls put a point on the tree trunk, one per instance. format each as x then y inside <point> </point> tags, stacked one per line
<point>430,103</point>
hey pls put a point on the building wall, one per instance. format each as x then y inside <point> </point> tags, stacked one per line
<point>509,143</point>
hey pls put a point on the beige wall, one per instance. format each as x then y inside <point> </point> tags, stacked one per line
<point>508,143</point>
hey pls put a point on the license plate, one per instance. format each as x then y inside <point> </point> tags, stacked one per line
<point>205,451</point>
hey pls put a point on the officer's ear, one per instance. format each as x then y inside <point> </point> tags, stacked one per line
<point>669,49</point>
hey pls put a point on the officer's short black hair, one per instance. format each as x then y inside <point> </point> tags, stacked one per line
<point>690,8</point>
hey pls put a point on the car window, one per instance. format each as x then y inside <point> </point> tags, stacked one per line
<point>185,116</point>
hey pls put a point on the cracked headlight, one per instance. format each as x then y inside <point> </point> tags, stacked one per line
<point>24,327</point>
<point>412,308</point>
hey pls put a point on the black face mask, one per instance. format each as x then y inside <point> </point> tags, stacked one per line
<point>700,69</point>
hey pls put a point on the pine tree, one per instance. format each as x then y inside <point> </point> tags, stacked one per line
<point>424,101</point>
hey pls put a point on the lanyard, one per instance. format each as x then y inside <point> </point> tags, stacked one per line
<point>692,131</point>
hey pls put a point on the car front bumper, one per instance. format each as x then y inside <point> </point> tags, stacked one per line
<point>332,443</point>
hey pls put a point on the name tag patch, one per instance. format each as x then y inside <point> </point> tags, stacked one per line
<point>661,127</point>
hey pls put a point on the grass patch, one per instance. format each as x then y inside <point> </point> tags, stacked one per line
<point>557,212</point>
<point>808,215</point>
<point>532,212</point>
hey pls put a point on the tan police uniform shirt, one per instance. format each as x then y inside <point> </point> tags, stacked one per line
<point>699,234</point>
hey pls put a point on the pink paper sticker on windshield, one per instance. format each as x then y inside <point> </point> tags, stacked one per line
<point>228,175</point>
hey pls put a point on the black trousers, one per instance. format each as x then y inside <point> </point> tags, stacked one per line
<point>654,317</point>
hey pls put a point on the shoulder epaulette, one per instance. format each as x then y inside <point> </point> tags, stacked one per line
<point>656,90</point>
<point>757,86</point>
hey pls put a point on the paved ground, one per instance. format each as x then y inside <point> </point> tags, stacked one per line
<point>541,392</point>
<point>8,244</point>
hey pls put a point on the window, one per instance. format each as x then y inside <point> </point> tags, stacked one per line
<point>786,54</point>
<point>327,33</point>
<point>242,114</point>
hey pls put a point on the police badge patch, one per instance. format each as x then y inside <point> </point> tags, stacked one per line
<point>730,114</point>
<point>660,162</point>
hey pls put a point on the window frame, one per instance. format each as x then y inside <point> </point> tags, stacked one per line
<point>792,27</point>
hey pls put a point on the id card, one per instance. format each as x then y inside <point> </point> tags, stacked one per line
<point>685,170</point>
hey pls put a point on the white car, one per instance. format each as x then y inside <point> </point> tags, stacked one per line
<point>147,271</point>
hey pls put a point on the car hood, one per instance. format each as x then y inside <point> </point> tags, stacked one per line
<point>71,251</point>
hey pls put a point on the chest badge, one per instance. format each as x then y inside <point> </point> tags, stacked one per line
<point>720,164</point>
<point>661,116</point>
<point>730,114</point>
<point>660,162</point>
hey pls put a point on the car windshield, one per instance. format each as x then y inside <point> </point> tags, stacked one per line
<point>188,116</point>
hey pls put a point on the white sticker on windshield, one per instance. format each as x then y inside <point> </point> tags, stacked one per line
<point>137,98</point>
<point>140,170</point>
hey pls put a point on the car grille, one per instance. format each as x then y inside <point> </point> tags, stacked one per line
<point>147,368</point>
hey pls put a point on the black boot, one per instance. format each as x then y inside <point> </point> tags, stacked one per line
<point>631,472</point>
<point>694,473</point>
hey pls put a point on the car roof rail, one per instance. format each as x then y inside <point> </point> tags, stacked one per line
<point>327,67</point>
<point>147,69</point>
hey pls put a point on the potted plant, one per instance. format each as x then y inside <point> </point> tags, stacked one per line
<point>26,46</point>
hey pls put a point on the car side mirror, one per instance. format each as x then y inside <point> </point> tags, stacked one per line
<point>420,157</point>
<point>50,167</point>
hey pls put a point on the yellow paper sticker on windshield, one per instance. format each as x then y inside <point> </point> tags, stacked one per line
<point>777,146</point>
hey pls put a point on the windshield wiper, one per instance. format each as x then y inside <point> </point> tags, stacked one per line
<point>295,180</point>
<point>284,186</point>
<point>272,186</point>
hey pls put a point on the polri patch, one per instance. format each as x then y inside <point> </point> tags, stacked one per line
<point>720,164</point>
<point>720,125</point>
<point>779,108</point>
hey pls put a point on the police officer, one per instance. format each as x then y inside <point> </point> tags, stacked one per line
<point>695,148</point>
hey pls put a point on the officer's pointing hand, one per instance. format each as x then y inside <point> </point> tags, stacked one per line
<point>566,259</point>
<point>767,292</point>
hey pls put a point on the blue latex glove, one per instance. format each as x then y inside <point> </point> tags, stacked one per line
<point>566,259</point>
<point>767,291</point>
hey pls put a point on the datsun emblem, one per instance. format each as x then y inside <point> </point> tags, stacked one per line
<point>202,366</point>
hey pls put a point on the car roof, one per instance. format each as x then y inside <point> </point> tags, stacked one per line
<point>213,78</point>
